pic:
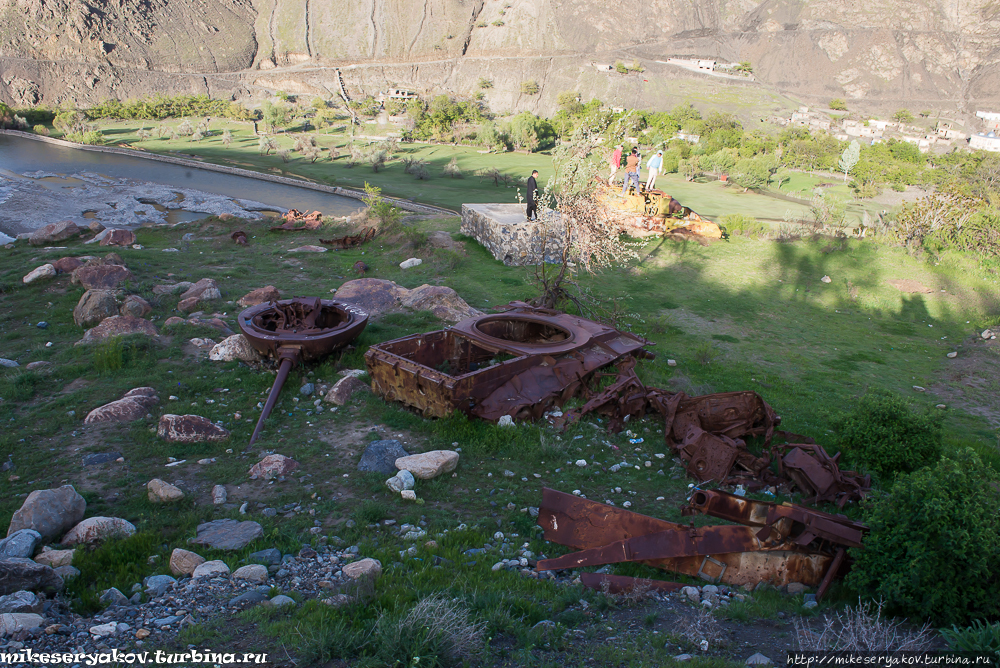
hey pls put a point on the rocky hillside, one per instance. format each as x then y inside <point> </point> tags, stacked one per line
<point>924,54</point>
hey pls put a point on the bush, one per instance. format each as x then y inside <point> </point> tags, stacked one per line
<point>485,83</point>
<point>452,169</point>
<point>90,137</point>
<point>530,87</point>
<point>741,225</point>
<point>838,104</point>
<point>381,211</point>
<point>887,436</point>
<point>40,130</point>
<point>980,638</point>
<point>437,630</point>
<point>933,549</point>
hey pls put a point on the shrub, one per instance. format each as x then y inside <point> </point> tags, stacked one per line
<point>621,68</point>
<point>437,630</point>
<point>380,210</point>
<point>485,83</point>
<point>452,169</point>
<point>885,434</point>
<point>837,104</point>
<point>40,130</point>
<point>741,225</point>
<point>862,629</point>
<point>980,638</point>
<point>90,137</point>
<point>933,549</point>
<point>530,87</point>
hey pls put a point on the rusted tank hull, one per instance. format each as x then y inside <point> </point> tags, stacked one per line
<point>294,324</point>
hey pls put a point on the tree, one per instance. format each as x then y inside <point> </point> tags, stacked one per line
<point>849,158</point>
<point>274,115</point>
<point>838,104</point>
<point>227,137</point>
<point>903,116</point>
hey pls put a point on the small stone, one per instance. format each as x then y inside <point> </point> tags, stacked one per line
<point>759,660</point>
<point>55,558</point>
<point>163,492</point>
<point>917,388</point>
<point>408,495</point>
<point>307,389</point>
<point>794,588</point>
<point>211,569</point>
<point>113,598</point>
<point>692,594</point>
<point>281,600</point>
<point>809,605</point>
<point>401,481</point>
<point>406,264</point>
<point>941,406</point>
<point>97,529</point>
<point>344,389</point>
<point>236,347</point>
<point>219,495</point>
<point>273,466</point>
<point>826,279</point>
<point>365,568</point>
<point>674,363</point>
<point>21,601</point>
<point>142,634</point>
<point>683,657</point>
<point>189,429</point>
<point>44,271</point>
<point>252,573</point>
<point>183,562</point>
<point>581,463</point>
<point>104,630</point>
<point>952,355</point>
<point>429,465</point>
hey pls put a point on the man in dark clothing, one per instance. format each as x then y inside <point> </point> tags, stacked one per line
<point>532,211</point>
<point>632,171</point>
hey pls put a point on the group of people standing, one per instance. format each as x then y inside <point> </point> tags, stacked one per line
<point>632,168</point>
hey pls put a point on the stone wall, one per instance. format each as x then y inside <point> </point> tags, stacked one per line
<point>503,230</point>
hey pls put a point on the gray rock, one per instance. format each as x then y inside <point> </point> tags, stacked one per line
<point>20,601</point>
<point>166,621</point>
<point>809,605</point>
<point>67,572</point>
<point>268,557</point>
<point>249,598</point>
<point>683,657</point>
<point>227,534</point>
<point>21,543</point>
<point>399,482</point>
<point>157,584</point>
<point>101,458</point>
<point>8,364</point>
<point>307,389</point>
<point>50,512</point>
<point>18,574</point>
<point>15,622</point>
<point>759,659</point>
<point>282,600</point>
<point>381,456</point>
<point>113,598</point>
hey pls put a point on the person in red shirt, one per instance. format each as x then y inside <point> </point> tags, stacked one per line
<point>614,162</point>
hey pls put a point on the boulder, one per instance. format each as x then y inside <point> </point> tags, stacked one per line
<point>204,290</point>
<point>21,543</point>
<point>20,601</point>
<point>174,320</point>
<point>268,557</point>
<point>118,238</point>
<point>189,429</point>
<point>113,598</point>
<point>252,573</point>
<point>118,325</point>
<point>273,466</point>
<point>50,512</point>
<point>236,347</point>
<point>95,306</point>
<point>281,601</point>
<point>136,306</point>
<point>442,301</point>
<point>403,480</point>
<point>268,293</point>
<point>188,305</point>
<point>381,456</point>
<point>440,239</point>
<point>372,294</point>
<point>429,464</point>
<point>160,491</point>
<point>44,271</point>
<point>344,389</point>
<point>134,405</point>
<point>17,574</point>
<point>227,534</point>
<point>40,364</point>
<point>13,623</point>
<point>156,585</point>
<point>8,364</point>
<point>215,323</point>
<point>101,276</point>
<point>365,568</point>
<point>67,572</point>
<point>183,562</point>
<point>55,558</point>
<point>97,529</point>
<point>96,227</point>
<point>211,569</point>
<point>219,495</point>
<point>53,233</point>
<point>66,265</point>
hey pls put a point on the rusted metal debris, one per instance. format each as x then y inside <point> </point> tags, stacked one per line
<point>351,240</point>
<point>297,221</point>
<point>771,542</point>
<point>359,268</point>
<point>520,363</point>
<point>240,237</point>
<point>296,330</point>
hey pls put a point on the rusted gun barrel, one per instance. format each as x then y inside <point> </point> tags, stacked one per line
<point>304,329</point>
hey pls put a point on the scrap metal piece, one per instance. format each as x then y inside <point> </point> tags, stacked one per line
<point>818,475</point>
<point>351,240</point>
<point>240,237</point>
<point>776,543</point>
<point>519,363</point>
<point>296,330</point>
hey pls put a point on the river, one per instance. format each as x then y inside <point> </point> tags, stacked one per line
<point>19,156</point>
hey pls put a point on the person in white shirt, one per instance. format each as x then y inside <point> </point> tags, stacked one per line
<point>655,164</point>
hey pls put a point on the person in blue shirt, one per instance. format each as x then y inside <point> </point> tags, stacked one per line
<point>655,164</point>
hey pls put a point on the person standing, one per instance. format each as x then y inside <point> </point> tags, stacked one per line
<point>531,212</point>
<point>631,170</point>
<point>655,164</point>
<point>614,163</point>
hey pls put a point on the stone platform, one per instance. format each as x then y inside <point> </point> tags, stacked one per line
<point>503,230</point>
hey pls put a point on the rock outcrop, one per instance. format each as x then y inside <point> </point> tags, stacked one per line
<point>134,405</point>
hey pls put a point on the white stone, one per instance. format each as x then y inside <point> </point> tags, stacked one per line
<point>505,421</point>
<point>371,568</point>
<point>104,630</point>
<point>581,462</point>
<point>14,622</point>
<point>281,600</point>
<point>673,363</point>
<point>408,495</point>
<point>163,492</point>
<point>952,355</point>
<point>235,347</point>
<point>401,481</point>
<point>211,569</point>
<point>95,529</point>
<point>253,573</point>
<point>405,264</point>
<point>44,271</point>
<point>429,465</point>
<point>692,594</point>
<point>917,388</point>
<point>219,495</point>
<point>826,279</point>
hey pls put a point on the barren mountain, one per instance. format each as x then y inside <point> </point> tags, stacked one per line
<point>941,54</point>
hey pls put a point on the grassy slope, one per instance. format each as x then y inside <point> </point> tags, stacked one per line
<point>740,315</point>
